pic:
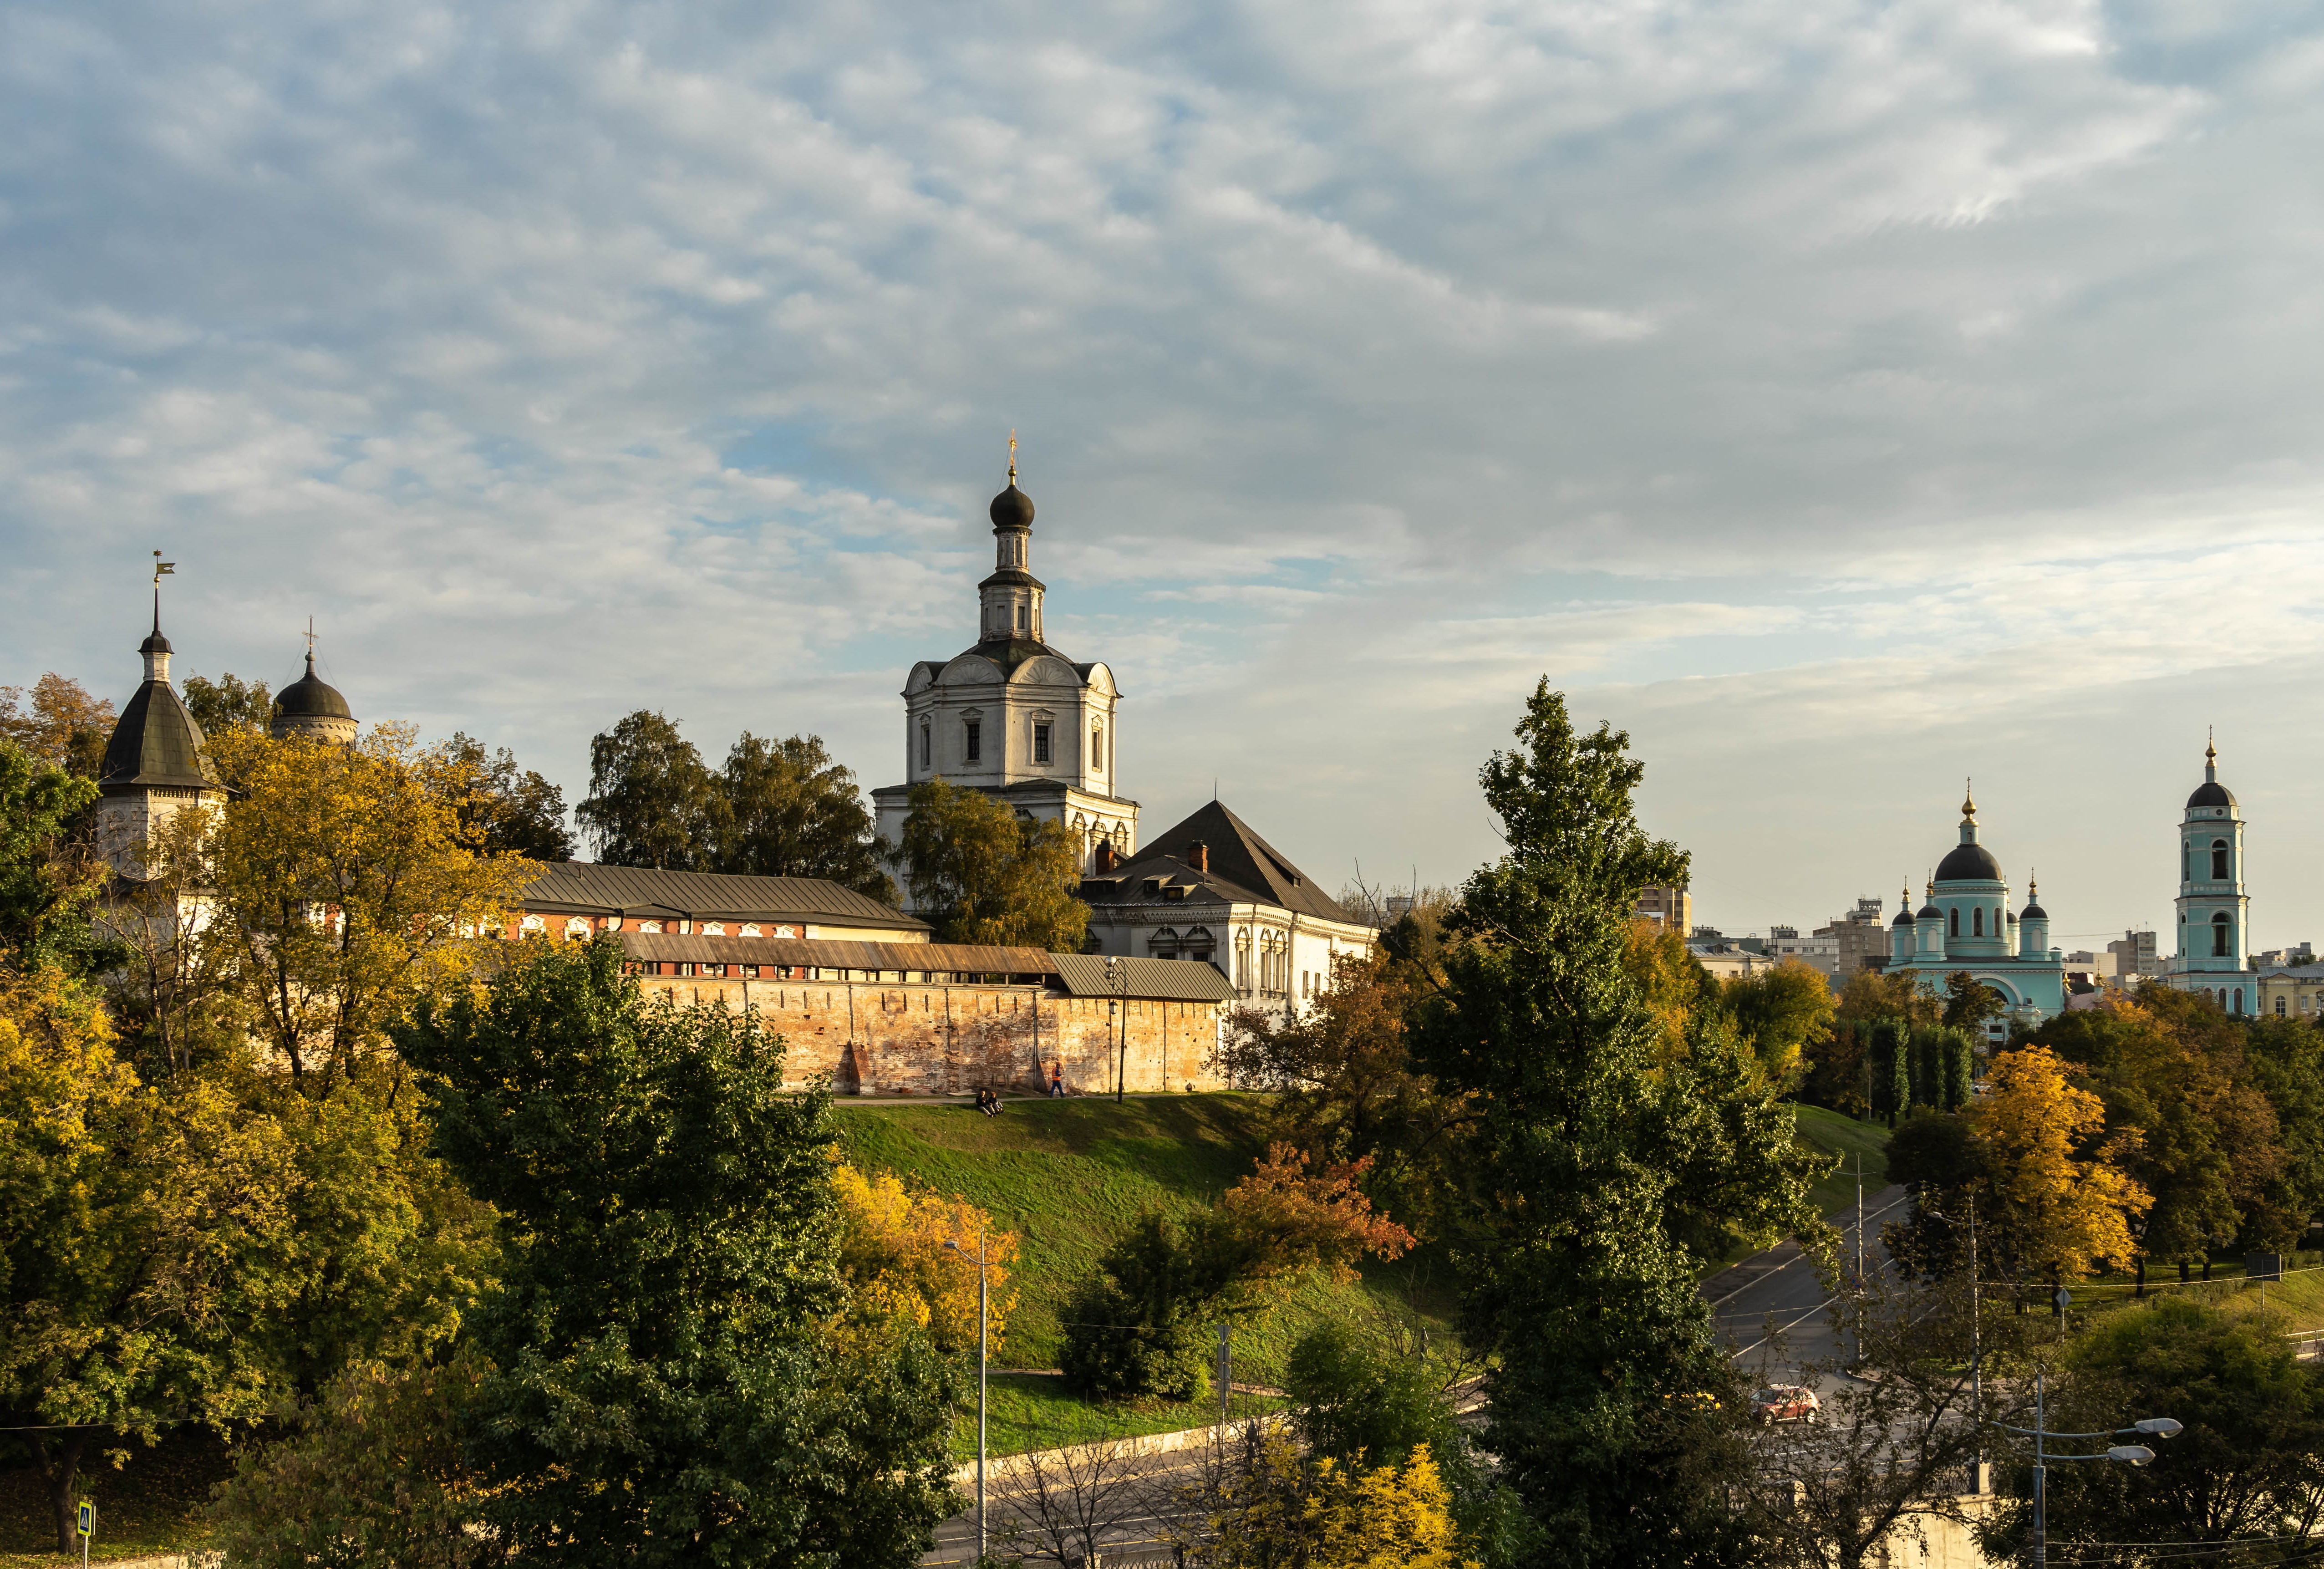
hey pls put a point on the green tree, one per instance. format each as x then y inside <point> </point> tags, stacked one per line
<point>1599,1157</point>
<point>510,811</point>
<point>981,874</point>
<point>2285,1060</point>
<point>651,801</point>
<point>1969,1003</point>
<point>371,1475</point>
<point>664,1389</point>
<point>1779,1012</point>
<point>229,703</point>
<point>786,809</point>
<point>2248,1465</point>
<point>203,1247</point>
<point>62,725</point>
<point>50,877</point>
<point>1140,1325</point>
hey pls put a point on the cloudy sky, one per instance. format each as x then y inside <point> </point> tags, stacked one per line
<point>1844,398</point>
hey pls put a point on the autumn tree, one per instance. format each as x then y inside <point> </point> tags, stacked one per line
<point>2047,1178</point>
<point>651,801</point>
<point>1344,1085</point>
<point>345,885</point>
<point>59,723</point>
<point>203,1246</point>
<point>1140,1325</point>
<point>1970,1003</point>
<point>786,809</point>
<point>1600,1161</point>
<point>662,1389</point>
<point>908,1255</point>
<point>2170,1067</point>
<point>229,703</point>
<point>981,874</point>
<point>1280,1508</point>
<point>509,810</point>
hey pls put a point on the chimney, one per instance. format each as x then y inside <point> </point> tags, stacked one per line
<point>1104,856</point>
<point>1198,856</point>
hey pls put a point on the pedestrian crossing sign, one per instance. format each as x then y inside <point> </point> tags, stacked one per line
<point>88,1520</point>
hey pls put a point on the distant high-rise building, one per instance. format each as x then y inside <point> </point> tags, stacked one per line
<point>2134,955</point>
<point>1860,940</point>
<point>1672,908</point>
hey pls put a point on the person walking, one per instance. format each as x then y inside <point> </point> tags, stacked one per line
<point>1056,1081</point>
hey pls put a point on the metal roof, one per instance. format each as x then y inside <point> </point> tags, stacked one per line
<point>1243,868</point>
<point>156,741</point>
<point>583,887</point>
<point>942,958</point>
<point>1170,979</point>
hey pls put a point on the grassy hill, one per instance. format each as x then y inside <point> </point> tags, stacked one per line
<point>1067,1175</point>
<point>1848,1139</point>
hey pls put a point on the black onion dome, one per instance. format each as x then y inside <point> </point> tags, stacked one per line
<point>2034,912</point>
<point>312,697</point>
<point>1904,915</point>
<point>1968,863</point>
<point>1929,911</point>
<point>2212,793</point>
<point>154,643</point>
<point>1011,509</point>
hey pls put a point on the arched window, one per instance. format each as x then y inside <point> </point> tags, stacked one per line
<point>927,745</point>
<point>2187,861</point>
<point>2219,935</point>
<point>577,927</point>
<point>2279,1008</point>
<point>1242,960</point>
<point>1952,922</point>
<point>1163,944</point>
<point>1976,922</point>
<point>2218,860</point>
<point>1199,946</point>
<point>2239,999</point>
<point>1097,749</point>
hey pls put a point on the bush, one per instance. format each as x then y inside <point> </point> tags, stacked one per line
<point>1362,1405</point>
<point>1134,1328</point>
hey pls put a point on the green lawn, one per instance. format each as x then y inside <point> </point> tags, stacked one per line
<point>150,1505</point>
<point>1027,1411</point>
<point>1068,1176</point>
<point>1844,1136</point>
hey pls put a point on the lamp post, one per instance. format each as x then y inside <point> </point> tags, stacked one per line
<point>2126,1454</point>
<point>984,1320</point>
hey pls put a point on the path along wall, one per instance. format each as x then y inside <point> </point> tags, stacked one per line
<point>936,1040</point>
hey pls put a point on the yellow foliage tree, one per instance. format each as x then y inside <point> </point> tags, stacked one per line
<point>898,1270</point>
<point>2056,1199</point>
<point>1670,981</point>
<point>1331,1517</point>
<point>345,883</point>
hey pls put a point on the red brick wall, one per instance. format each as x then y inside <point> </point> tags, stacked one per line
<point>942,1040</point>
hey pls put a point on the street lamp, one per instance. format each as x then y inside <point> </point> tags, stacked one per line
<point>2126,1454</point>
<point>982,1320</point>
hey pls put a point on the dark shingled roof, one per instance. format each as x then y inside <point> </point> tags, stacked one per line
<point>942,958</point>
<point>156,741</point>
<point>1244,867</point>
<point>583,887</point>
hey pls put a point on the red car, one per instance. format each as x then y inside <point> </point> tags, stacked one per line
<point>1786,1403</point>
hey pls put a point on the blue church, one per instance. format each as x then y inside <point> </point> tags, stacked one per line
<point>1965,924</point>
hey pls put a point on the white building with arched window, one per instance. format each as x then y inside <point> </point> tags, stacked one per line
<point>1211,889</point>
<point>2214,907</point>
<point>1013,717</point>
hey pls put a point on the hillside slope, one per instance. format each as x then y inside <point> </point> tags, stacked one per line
<point>1068,1176</point>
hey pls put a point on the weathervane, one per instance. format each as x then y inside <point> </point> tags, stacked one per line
<point>161,569</point>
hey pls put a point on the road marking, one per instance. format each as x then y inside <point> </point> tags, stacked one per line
<point>1779,1329</point>
<point>1795,1258</point>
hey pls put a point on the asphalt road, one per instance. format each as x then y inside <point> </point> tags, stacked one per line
<point>1772,1306</point>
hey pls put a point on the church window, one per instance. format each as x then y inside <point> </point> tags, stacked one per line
<point>1977,922</point>
<point>925,746</point>
<point>2219,860</point>
<point>1952,922</point>
<point>975,742</point>
<point>1097,747</point>
<point>1242,961</point>
<point>2239,999</point>
<point>1024,617</point>
<point>1040,743</point>
<point>2219,935</point>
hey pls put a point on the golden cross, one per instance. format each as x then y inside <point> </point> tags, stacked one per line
<point>1013,458</point>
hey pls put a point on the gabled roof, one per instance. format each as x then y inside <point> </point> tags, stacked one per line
<point>156,741</point>
<point>583,887</point>
<point>1243,867</point>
